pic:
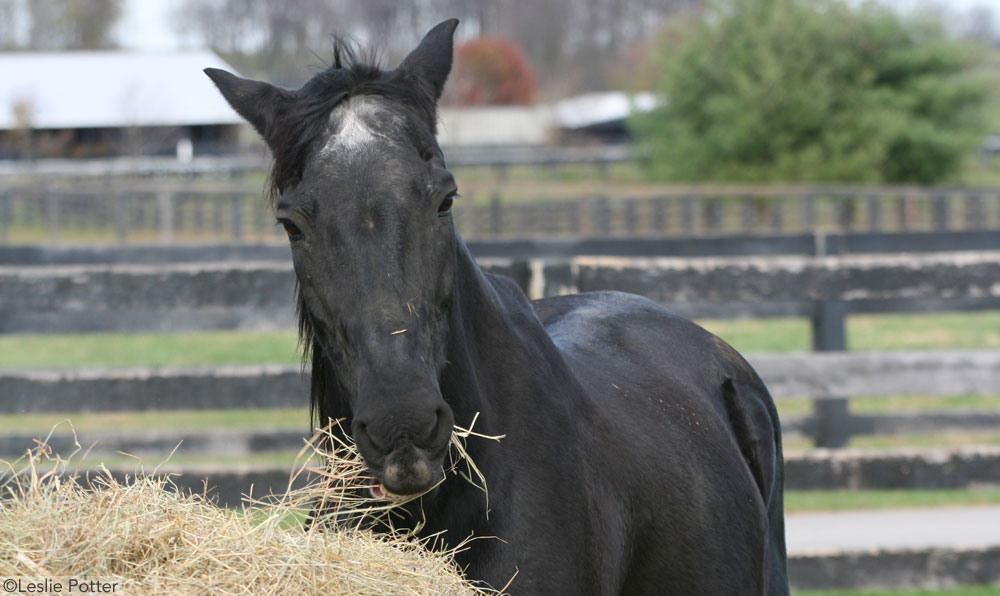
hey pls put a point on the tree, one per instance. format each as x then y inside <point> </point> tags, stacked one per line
<point>573,45</point>
<point>490,71</point>
<point>795,90</point>
<point>72,24</point>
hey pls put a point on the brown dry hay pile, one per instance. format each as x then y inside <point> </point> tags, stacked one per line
<point>158,542</point>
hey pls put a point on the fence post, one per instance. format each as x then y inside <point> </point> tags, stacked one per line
<point>4,216</point>
<point>809,213</point>
<point>165,207</point>
<point>600,216</point>
<point>496,214</point>
<point>975,212</point>
<point>777,213</point>
<point>53,204</point>
<point>236,203</point>
<point>121,217</point>
<point>660,221</point>
<point>874,213</point>
<point>713,214</point>
<point>631,219</point>
<point>688,216</point>
<point>940,202</point>
<point>746,213</point>
<point>829,412</point>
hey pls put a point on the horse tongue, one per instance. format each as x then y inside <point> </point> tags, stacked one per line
<point>380,492</point>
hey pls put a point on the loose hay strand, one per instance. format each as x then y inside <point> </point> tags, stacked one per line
<point>147,534</point>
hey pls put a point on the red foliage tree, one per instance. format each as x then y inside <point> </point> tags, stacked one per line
<point>490,71</point>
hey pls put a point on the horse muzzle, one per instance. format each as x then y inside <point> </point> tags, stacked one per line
<point>409,461</point>
<point>407,472</point>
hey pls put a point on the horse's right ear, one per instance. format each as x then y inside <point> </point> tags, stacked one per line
<point>258,102</point>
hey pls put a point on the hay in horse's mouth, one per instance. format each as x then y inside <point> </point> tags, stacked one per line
<point>350,494</point>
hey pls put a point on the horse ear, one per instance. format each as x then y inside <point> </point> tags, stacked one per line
<point>431,60</point>
<point>259,103</point>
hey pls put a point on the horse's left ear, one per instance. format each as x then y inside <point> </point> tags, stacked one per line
<point>431,61</point>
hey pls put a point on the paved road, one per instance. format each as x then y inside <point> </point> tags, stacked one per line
<point>974,526</point>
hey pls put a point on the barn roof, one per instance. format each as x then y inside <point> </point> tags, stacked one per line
<point>111,89</point>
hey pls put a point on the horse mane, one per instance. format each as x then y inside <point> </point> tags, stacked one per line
<point>304,119</point>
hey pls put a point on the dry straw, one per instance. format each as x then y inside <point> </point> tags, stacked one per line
<point>155,540</point>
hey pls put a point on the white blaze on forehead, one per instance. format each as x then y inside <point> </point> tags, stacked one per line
<point>352,125</point>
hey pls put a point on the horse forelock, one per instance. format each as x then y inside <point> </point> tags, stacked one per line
<point>318,104</point>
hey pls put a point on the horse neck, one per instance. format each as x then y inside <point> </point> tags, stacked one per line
<point>496,345</point>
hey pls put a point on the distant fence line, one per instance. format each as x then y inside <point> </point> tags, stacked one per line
<point>177,210</point>
<point>228,165</point>
<point>815,243</point>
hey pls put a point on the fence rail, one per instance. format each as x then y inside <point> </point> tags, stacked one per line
<point>220,211</point>
<point>932,372</point>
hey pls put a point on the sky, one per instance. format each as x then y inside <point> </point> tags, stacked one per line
<point>147,24</point>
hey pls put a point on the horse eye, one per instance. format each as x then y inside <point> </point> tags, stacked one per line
<point>293,231</point>
<point>445,207</point>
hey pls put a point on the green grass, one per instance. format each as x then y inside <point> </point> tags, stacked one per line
<point>896,441</point>
<point>191,420</point>
<point>826,500</point>
<point>940,439</point>
<point>866,332</point>
<point>800,406</point>
<point>148,349</point>
<point>940,330</point>
<point>965,591</point>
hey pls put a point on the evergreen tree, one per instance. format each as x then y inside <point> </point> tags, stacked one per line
<point>813,90</point>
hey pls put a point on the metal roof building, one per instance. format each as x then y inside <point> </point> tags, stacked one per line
<point>111,89</point>
<point>108,90</point>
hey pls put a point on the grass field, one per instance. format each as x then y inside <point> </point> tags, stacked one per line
<point>826,500</point>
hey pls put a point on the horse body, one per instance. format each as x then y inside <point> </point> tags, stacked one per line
<point>642,455</point>
<point>626,477</point>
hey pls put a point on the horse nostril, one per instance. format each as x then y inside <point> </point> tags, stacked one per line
<point>361,435</point>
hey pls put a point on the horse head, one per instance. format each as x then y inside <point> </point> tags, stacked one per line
<point>360,186</point>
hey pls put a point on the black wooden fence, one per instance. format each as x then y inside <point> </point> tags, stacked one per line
<point>98,295</point>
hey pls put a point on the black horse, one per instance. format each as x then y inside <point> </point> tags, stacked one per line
<point>642,454</point>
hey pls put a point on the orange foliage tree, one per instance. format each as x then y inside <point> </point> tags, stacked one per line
<point>490,71</point>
